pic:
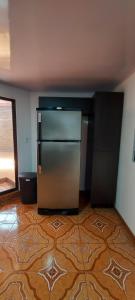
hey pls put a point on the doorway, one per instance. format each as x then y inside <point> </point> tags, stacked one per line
<point>8,146</point>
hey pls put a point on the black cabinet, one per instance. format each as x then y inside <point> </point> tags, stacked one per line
<point>28,187</point>
<point>107,132</point>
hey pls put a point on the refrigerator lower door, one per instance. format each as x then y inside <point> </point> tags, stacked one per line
<point>59,175</point>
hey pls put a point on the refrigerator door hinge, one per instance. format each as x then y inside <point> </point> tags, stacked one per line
<point>39,117</point>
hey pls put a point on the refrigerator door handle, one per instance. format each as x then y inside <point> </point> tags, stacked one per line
<point>39,169</point>
<point>39,158</point>
<point>39,154</point>
<point>39,121</point>
<point>39,117</point>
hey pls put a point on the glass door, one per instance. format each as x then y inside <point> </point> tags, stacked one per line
<point>8,146</point>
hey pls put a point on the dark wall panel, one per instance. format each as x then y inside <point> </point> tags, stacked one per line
<point>84,104</point>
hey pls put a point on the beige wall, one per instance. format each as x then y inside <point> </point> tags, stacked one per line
<point>125,199</point>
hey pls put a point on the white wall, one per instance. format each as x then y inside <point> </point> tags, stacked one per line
<point>34,96</point>
<point>125,199</point>
<point>22,98</point>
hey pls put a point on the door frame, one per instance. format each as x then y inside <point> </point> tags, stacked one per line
<point>13,101</point>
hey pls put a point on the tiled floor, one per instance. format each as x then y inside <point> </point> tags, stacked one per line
<point>88,256</point>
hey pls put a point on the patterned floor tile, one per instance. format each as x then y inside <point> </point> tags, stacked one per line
<point>91,253</point>
<point>121,235</point>
<point>125,249</point>
<point>56,226</point>
<point>71,236</point>
<point>10,208</point>
<point>18,286</point>
<point>87,256</point>
<point>103,260</point>
<point>22,255</point>
<point>72,252</point>
<point>110,214</point>
<point>81,216</point>
<point>112,283</point>
<point>6,258</point>
<point>32,234</point>
<point>96,291</point>
<point>22,209</point>
<point>74,289</point>
<point>30,217</point>
<point>8,218</point>
<point>5,231</point>
<point>89,237</point>
<point>34,217</point>
<point>46,260</point>
<point>99,226</point>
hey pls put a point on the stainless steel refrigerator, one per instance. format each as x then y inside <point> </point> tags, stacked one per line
<point>58,171</point>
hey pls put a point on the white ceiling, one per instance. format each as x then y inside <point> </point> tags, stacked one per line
<point>74,44</point>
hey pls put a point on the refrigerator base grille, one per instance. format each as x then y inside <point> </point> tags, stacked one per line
<point>48,211</point>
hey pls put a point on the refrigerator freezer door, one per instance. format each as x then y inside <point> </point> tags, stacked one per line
<point>60,125</point>
<point>58,181</point>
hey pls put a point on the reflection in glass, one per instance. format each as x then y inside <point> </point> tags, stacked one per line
<point>7,163</point>
<point>4,36</point>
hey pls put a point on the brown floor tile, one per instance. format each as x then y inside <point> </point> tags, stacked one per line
<point>110,214</point>
<point>87,236</point>
<point>96,290</point>
<point>21,256</point>
<point>99,226</point>
<point>86,256</point>
<point>91,253</point>
<point>70,288</point>
<point>18,286</point>
<point>121,235</point>
<point>81,216</point>
<point>10,208</point>
<point>109,286</point>
<point>124,249</point>
<point>6,258</point>
<point>56,226</point>
<point>30,217</point>
<point>34,218</point>
<point>46,260</point>
<point>73,253</point>
<point>24,208</point>
<point>71,236</point>
<point>108,255</point>
<point>31,233</point>
<point>8,218</point>
<point>5,231</point>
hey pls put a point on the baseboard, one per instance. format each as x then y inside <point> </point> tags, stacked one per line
<point>125,223</point>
